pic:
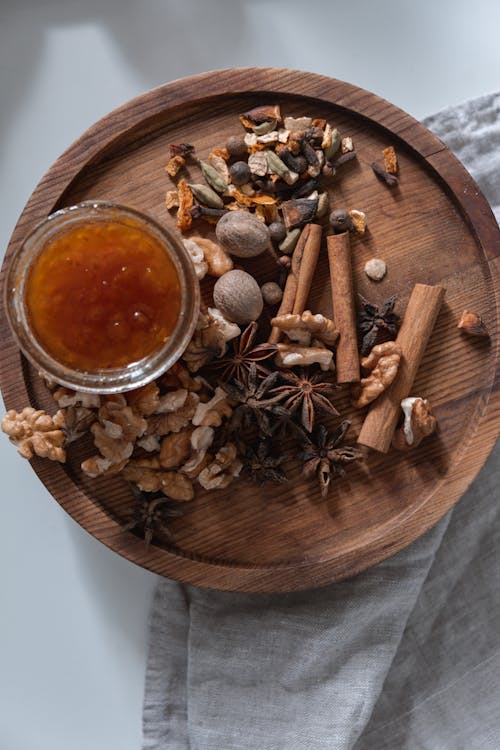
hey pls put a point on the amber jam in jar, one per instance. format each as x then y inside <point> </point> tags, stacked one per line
<point>103,295</point>
<point>102,298</point>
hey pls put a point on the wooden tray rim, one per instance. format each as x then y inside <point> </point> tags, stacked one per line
<point>243,81</point>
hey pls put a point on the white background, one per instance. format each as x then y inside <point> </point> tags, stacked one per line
<point>73,615</point>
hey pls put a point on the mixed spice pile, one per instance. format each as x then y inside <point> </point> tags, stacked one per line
<point>243,398</point>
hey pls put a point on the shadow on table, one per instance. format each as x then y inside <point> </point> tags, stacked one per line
<point>159,41</point>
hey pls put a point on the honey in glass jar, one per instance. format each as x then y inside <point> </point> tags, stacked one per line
<point>102,298</point>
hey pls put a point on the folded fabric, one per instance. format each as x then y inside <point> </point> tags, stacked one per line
<point>404,656</point>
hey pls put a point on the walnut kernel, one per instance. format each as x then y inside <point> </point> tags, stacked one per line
<point>34,432</point>
<point>382,364</point>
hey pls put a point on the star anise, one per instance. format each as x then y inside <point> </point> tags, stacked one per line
<point>373,321</point>
<point>261,465</point>
<point>237,363</point>
<point>305,392</point>
<point>152,512</point>
<point>254,406</point>
<point>324,455</point>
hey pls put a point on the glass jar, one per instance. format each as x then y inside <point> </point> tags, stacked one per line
<point>31,317</point>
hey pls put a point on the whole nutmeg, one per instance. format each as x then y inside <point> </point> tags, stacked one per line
<point>271,292</point>
<point>238,297</point>
<point>242,234</point>
<point>236,145</point>
<point>240,173</point>
<point>340,220</point>
<point>277,231</point>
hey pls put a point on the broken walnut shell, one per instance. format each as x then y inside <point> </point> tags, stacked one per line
<point>419,422</point>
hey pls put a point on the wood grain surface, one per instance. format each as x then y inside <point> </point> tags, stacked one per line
<point>435,228</point>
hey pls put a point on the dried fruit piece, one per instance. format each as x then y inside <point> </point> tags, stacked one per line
<point>358,220</point>
<point>175,165</point>
<point>390,160</point>
<point>171,199</point>
<point>184,218</point>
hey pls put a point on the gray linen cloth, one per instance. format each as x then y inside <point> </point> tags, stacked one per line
<point>406,656</point>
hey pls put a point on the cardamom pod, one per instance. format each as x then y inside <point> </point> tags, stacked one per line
<point>264,127</point>
<point>277,166</point>
<point>334,144</point>
<point>214,179</point>
<point>287,245</point>
<point>207,196</point>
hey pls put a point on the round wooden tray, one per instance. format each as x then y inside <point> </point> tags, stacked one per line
<point>435,228</point>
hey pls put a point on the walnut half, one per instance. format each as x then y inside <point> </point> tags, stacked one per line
<point>34,431</point>
<point>382,363</point>
<point>221,472</point>
<point>305,327</point>
<point>293,355</point>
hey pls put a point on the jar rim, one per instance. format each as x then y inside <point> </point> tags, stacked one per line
<point>103,380</point>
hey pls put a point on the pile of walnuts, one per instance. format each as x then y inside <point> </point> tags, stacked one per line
<point>162,437</point>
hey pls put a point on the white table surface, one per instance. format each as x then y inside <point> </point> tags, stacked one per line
<point>73,615</point>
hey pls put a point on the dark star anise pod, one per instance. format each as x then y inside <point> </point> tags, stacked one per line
<point>324,455</point>
<point>254,406</point>
<point>305,392</point>
<point>372,321</point>
<point>237,363</point>
<point>152,513</point>
<point>261,465</point>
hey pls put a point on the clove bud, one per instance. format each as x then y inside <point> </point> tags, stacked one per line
<point>390,179</point>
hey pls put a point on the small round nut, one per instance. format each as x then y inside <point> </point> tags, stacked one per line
<point>236,145</point>
<point>285,261</point>
<point>240,173</point>
<point>271,292</point>
<point>340,221</point>
<point>242,234</point>
<point>375,268</point>
<point>238,297</point>
<point>277,231</point>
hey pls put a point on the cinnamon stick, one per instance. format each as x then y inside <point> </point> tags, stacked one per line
<point>290,290</point>
<point>419,319</point>
<point>308,265</point>
<point>344,310</point>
